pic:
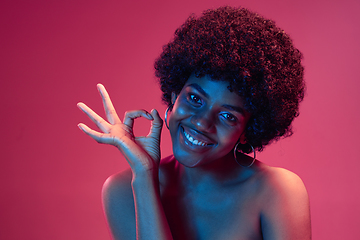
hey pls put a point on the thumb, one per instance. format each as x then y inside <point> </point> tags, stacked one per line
<point>156,125</point>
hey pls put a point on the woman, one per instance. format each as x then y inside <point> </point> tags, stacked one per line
<point>232,81</point>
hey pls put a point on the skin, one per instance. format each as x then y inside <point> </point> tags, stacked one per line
<point>200,192</point>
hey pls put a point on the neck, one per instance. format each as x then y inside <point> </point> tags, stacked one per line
<point>215,174</point>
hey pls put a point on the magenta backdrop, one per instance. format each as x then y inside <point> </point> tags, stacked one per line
<point>54,52</point>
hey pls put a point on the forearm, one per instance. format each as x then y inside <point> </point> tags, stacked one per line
<point>151,222</point>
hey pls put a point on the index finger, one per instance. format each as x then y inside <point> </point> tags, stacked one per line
<point>108,106</point>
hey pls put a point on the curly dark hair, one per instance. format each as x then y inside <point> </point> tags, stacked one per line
<point>256,57</point>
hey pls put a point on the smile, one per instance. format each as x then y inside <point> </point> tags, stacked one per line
<point>195,141</point>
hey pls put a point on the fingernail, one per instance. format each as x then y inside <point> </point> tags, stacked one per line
<point>150,116</point>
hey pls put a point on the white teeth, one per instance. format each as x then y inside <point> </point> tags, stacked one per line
<point>193,141</point>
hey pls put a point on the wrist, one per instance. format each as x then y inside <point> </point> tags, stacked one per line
<point>145,177</point>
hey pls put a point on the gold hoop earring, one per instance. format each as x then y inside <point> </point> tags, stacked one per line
<point>236,151</point>
<point>166,116</point>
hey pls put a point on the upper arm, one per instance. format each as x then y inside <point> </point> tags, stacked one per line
<point>118,205</point>
<point>286,211</point>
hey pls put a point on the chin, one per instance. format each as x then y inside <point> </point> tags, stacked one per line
<point>186,159</point>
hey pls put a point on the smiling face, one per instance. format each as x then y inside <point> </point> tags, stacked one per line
<point>206,121</point>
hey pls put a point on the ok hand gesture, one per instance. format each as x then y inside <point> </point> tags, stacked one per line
<point>142,153</point>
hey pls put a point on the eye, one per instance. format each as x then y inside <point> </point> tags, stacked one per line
<point>194,99</point>
<point>229,117</point>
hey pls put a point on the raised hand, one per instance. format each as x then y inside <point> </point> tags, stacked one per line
<point>142,153</point>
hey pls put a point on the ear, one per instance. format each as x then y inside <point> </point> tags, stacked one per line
<point>173,97</point>
<point>242,138</point>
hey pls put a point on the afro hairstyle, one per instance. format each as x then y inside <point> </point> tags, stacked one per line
<point>250,52</point>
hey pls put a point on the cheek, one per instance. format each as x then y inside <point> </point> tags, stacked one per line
<point>229,138</point>
<point>180,111</point>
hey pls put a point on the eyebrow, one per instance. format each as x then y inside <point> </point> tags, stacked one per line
<point>233,108</point>
<point>227,106</point>
<point>197,87</point>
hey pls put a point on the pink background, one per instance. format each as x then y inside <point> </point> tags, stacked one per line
<point>54,52</point>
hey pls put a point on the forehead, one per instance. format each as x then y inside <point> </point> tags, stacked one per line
<point>214,89</point>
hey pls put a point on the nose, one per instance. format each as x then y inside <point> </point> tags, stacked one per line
<point>203,121</point>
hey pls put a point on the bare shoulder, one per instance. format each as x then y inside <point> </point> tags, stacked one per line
<point>118,181</point>
<point>118,200</point>
<point>280,181</point>
<point>119,206</point>
<point>285,208</point>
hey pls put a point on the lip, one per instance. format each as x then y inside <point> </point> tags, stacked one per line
<point>195,139</point>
